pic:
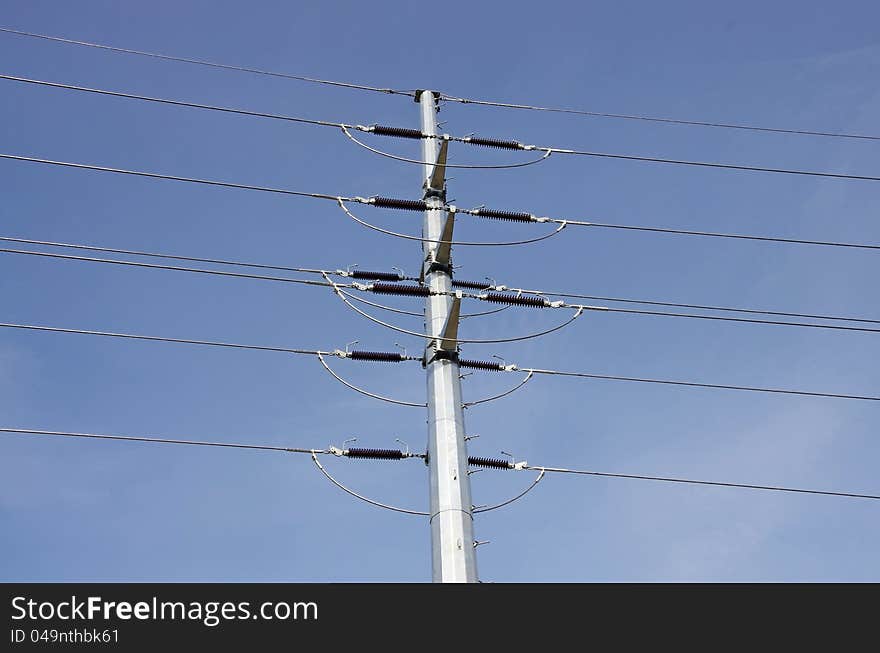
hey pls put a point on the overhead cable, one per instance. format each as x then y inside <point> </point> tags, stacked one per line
<point>445,96</point>
<point>355,273</point>
<point>210,64</point>
<point>690,481</point>
<point>132,438</point>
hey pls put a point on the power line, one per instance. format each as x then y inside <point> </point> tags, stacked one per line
<point>513,368</point>
<point>693,384</point>
<point>155,175</point>
<point>690,481</point>
<point>132,438</point>
<point>412,134</point>
<point>327,284</point>
<point>696,306</point>
<point>675,121</point>
<point>210,64</point>
<point>369,274</point>
<point>711,164</point>
<point>178,103</point>
<point>166,256</point>
<point>388,276</point>
<point>538,301</point>
<point>527,217</point>
<point>241,275</point>
<point>284,191</point>
<point>555,470</point>
<point>447,97</point>
<point>209,343</point>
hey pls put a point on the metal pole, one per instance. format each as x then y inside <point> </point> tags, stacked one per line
<point>452,528</point>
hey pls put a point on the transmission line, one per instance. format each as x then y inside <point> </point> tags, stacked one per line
<point>493,297</point>
<point>694,384</point>
<point>210,64</point>
<point>178,103</point>
<point>392,454</point>
<point>408,133</point>
<point>675,121</point>
<point>444,96</point>
<point>155,175</point>
<point>154,266</point>
<point>690,481</point>
<point>209,343</point>
<point>477,212</point>
<point>132,438</point>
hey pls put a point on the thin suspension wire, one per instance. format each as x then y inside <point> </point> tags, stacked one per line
<point>177,103</point>
<point>528,377</point>
<point>209,343</point>
<point>523,164</point>
<point>155,175</point>
<point>211,64</point>
<point>132,438</point>
<point>372,395</point>
<point>674,121</point>
<point>176,268</point>
<point>690,481</point>
<point>534,483</point>
<point>694,384</point>
<point>362,497</point>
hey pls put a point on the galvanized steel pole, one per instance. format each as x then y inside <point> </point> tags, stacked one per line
<point>452,529</point>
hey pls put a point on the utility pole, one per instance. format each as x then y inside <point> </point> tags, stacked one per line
<point>453,558</point>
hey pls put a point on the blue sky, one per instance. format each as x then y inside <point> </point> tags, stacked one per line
<point>79,510</point>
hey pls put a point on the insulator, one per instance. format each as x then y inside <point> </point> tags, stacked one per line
<point>377,356</point>
<point>522,300</point>
<point>496,463</point>
<point>400,289</point>
<point>489,366</point>
<point>503,215</point>
<point>403,205</point>
<point>400,132</point>
<point>473,285</point>
<point>494,142</point>
<point>383,276</point>
<point>384,454</point>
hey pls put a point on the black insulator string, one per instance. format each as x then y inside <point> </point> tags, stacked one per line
<point>388,155</point>
<point>446,242</point>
